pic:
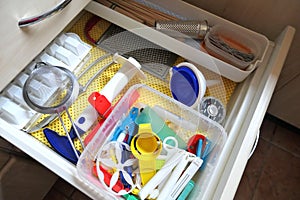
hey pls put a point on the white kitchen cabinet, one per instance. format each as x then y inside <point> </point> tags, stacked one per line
<point>246,108</point>
<point>21,45</point>
<point>285,104</point>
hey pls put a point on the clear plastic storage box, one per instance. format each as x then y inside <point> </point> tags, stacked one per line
<point>182,120</point>
<point>238,48</point>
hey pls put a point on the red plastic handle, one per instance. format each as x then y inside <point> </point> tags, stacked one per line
<point>193,143</point>
<point>100,103</point>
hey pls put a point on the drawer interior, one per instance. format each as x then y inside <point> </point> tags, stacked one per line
<point>222,90</point>
<point>230,92</point>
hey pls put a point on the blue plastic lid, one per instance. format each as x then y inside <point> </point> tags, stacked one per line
<point>184,85</point>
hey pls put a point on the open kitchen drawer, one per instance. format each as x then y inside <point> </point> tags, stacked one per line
<point>245,109</point>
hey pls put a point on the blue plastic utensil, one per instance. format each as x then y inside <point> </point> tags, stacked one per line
<point>62,145</point>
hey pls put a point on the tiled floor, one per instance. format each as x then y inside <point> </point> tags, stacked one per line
<point>273,172</point>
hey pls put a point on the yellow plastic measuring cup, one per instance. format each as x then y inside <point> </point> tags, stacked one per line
<point>146,146</point>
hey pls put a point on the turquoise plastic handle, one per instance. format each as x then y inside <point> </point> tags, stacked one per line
<point>148,115</point>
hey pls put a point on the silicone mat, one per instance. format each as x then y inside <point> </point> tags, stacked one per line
<point>222,90</point>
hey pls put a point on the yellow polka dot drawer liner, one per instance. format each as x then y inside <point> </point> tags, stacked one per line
<point>222,90</point>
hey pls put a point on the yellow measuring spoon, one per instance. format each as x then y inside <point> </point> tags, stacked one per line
<point>146,146</point>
